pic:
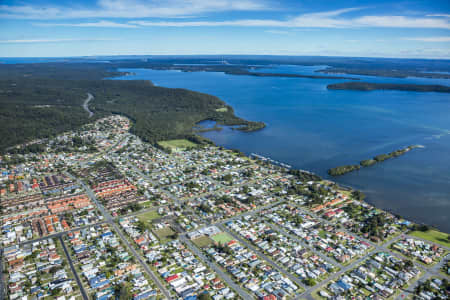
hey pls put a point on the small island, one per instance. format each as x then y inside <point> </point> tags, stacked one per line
<point>370,86</point>
<point>341,170</point>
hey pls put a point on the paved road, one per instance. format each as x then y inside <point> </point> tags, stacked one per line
<point>86,103</point>
<point>110,220</point>
<point>213,266</point>
<point>263,256</point>
<point>2,281</point>
<point>58,234</point>
<point>308,290</point>
<point>433,271</point>
<point>80,285</point>
<point>285,233</point>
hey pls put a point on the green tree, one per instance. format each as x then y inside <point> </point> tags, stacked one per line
<point>204,296</point>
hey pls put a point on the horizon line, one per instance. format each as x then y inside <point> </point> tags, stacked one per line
<point>180,55</point>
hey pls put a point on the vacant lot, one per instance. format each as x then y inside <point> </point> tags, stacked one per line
<point>164,234</point>
<point>149,216</point>
<point>177,144</point>
<point>202,241</point>
<point>222,238</point>
<point>434,236</point>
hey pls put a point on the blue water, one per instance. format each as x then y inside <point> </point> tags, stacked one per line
<point>310,127</point>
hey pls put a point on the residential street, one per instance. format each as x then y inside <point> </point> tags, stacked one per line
<point>216,268</point>
<point>69,259</point>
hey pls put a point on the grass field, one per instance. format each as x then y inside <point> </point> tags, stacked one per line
<point>149,216</point>
<point>434,236</point>
<point>164,234</point>
<point>222,109</point>
<point>202,241</point>
<point>322,234</point>
<point>146,204</point>
<point>177,144</point>
<point>222,238</point>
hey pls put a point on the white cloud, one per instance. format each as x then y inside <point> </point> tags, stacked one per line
<point>89,24</point>
<point>131,9</point>
<point>329,19</point>
<point>429,39</point>
<point>282,32</point>
<point>402,22</point>
<point>439,15</point>
<point>159,9</point>
<point>28,41</point>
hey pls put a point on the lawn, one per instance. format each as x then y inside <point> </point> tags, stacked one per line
<point>433,235</point>
<point>149,216</point>
<point>164,234</point>
<point>323,234</point>
<point>222,238</point>
<point>146,204</point>
<point>202,241</point>
<point>177,144</point>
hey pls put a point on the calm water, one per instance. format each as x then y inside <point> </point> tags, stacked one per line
<point>312,128</point>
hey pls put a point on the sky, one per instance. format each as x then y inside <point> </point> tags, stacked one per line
<point>61,28</point>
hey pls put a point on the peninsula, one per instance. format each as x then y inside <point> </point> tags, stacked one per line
<point>53,100</point>
<point>341,170</point>
<point>229,69</point>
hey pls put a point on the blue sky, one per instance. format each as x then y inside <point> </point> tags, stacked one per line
<point>416,29</point>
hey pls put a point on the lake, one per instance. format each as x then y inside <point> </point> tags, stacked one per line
<point>312,128</point>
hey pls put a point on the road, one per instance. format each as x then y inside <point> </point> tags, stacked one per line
<point>80,285</point>
<point>213,266</point>
<point>265,257</point>
<point>285,233</point>
<point>2,281</point>
<point>308,290</point>
<point>86,104</point>
<point>58,234</point>
<point>110,220</point>
<point>433,271</point>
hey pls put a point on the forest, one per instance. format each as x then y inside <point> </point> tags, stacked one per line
<point>42,100</point>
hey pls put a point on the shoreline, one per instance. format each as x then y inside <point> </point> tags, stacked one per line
<point>342,186</point>
<point>370,86</point>
<point>350,188</point>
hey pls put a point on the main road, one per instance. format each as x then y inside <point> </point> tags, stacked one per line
<point>110,220</point>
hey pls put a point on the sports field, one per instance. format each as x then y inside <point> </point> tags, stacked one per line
<point>222,238</point>
<point>177,144</point>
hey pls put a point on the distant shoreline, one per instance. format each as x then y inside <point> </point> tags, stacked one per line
<point>369,86</point>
